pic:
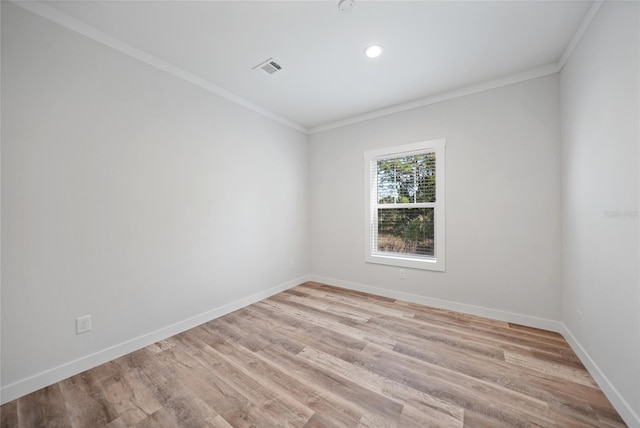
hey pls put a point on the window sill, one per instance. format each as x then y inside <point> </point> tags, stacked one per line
<point>424,263</point>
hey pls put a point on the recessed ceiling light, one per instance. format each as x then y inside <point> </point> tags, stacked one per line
<point>373,51</point>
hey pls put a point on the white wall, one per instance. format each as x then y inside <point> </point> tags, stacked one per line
<point>503,195</point>
<point>600,204</point>
<point>123,197</point>
<point>132,196</point>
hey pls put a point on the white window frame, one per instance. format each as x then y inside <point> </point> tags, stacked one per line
<point>437,262</point>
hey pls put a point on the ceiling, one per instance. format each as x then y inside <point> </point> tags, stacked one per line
<point>430,47</point>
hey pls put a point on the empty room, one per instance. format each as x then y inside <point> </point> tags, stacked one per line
<point>336,213</point>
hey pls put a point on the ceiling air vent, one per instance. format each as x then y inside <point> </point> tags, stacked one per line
<point>267,68</point>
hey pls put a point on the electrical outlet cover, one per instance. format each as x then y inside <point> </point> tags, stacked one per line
<point>83,324</point>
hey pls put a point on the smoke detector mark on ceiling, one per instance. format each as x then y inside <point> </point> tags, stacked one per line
<point>267,68</point>
<point>345,6</point>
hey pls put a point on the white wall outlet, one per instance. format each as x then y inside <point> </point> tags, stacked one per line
<point>402,274</point>
<point>83,324</point>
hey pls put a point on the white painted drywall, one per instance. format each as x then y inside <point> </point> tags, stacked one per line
<point>123,197</point>
<point>132,196</point>
<point>600,120</point>
<point>503,197</point>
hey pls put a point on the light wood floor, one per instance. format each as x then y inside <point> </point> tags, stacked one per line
<point>319,356</point>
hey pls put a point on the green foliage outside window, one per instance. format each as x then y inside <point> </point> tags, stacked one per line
<point>406,180</point>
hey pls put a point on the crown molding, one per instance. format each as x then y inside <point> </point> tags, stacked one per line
<point>473,89</point>
<point>75,25</point>
<point>586,21</point>
<point>60,18</point>
<point>533,73</point>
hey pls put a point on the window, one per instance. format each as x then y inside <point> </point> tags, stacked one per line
<point>405,205</point>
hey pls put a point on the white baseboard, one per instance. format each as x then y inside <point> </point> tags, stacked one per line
<point>33,383</point>
<point>496,314</point>
<point>620,404</point>
<point>630,417</point>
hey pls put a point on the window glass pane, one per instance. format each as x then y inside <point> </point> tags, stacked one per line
<point>409,179</point>
<point>406,231</point>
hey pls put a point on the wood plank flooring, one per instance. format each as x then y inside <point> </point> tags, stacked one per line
<point>320,356</point>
